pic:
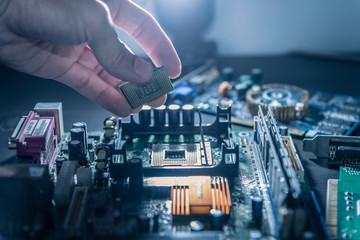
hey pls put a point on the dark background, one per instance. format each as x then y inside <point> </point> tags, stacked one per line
<point>20,92</point>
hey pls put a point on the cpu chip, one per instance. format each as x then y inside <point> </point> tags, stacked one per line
<point>138,94</point>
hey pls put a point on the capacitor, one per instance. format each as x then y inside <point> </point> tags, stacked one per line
<point>144,222</point>
<point>241,89</point>
<point>115,189</point>
<point>78,134</point>
<point>160,115</point>
<point>59,161</point>
<point>256,75</point>
<point>76,152</point>
<point>174,114</point>
<point>217,219</point>
<point>196,226</point>
<point>257,204</point>
<point>83,126</point>
<point>227,73</point>
<point>283,130</point>
<point>156,222</point>
<point>245,79</point>
<point>145,115</point>
<point>188,114</point>
<point>135,178</point>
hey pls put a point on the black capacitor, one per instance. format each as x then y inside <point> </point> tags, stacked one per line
<point>59,161</point>
<point>188,114</point>
<point>145,115</point>
<point>83,126</point>
<point>256,75</point>
<point>174,114</point>
<point>76,152</point>
<point>144,222</point>
<point>78,134</point>
<point>115,189</point>
<point>227,73</point>
<point>160,115</point>
<point>217,219</point>
<point>156,222</point>
<point>257,204</point>
<point>135,178</point>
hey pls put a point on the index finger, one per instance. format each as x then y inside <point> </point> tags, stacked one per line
<point>146,31</point>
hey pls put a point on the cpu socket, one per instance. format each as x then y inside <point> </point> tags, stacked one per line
<point>180,154</point>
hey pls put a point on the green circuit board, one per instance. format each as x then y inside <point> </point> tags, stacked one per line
<point>349,203</point>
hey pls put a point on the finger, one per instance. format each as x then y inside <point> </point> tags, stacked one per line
<point>136,110</point>
<point>89,22</point>
<point>88,60</point>
<point>111,53</point>
<point>90,85</point>
<point>157,102</point>
<point>141,26</point>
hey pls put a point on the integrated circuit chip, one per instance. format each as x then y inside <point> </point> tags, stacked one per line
<point>138,94</point>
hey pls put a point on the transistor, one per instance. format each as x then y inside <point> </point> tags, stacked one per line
<point>138,94</point>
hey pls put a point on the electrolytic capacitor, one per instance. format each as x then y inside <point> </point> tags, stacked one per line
<point>144,222</point>
<point>156,222</point>
<point>76,152</point>
<point>227,73</point>
<point>188,114</point>
<point>160,115</point>
<point>145,115</point>
<point>256,75</point>
<point>217,219</point>
<point>174,114</point>
<point>241,89</point>
<point>83,126</point>
<point>135,178</point>
<point>59,161</point>
<point>78,134</point>
<point>257,204</point>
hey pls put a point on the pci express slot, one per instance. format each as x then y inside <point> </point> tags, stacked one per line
<point>339,150</point>
<point>15,134</point>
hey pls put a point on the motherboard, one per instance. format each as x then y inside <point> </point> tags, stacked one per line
<point>306,113</point>
<point>162,175</point>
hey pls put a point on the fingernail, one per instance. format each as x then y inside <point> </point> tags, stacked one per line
<point>143,69</point>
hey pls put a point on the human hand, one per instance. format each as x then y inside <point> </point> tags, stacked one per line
<point>75,43</point>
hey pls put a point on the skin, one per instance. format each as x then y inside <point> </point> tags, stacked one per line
<point>75,42</point>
